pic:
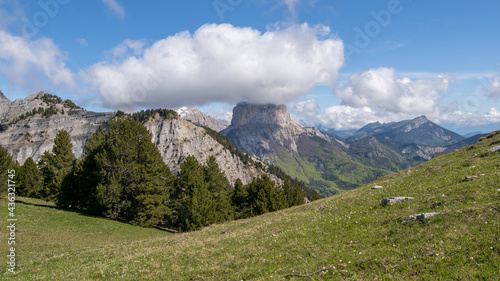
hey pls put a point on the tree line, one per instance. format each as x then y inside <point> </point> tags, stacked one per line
<point>122,176</point>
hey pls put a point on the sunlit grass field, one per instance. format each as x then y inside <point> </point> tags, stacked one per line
<point>352,234</point>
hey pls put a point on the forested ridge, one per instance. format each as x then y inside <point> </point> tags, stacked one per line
<point>122,176</point>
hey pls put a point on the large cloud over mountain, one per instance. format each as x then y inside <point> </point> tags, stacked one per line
<point>221,63</point>
<point>382,89</point>
<point>33,64</point>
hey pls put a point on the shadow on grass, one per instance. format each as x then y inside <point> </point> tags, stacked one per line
<point>166,228</point>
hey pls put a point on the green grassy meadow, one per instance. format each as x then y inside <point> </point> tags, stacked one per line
<point>351,233</point>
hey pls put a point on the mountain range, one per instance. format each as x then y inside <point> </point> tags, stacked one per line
<point>258,134</point>
<point>328,163</point>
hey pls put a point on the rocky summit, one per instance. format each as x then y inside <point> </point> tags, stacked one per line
<point>261,129</point>
<point>248,114</point>
<point>268,132</point>
<point>201,119</point>
<point>177,139</point>
<point>328,163</point>
<point>28,126</point>
<point>324,162</point>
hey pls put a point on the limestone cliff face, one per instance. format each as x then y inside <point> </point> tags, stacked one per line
<point>35,134</point>
<point>26,134</point>
<point>248,114</point>
<point>199,118</point>
<point>256,129</point>
<point>176,139</point>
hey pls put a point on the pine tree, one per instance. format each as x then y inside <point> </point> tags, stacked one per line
<point>239,200</point>
<point>260,205</point>
<point>200,210</point>
<point>220,190</point>
<point>29,179</point>
<point>195,206</point>
<point>68,196</point>
<point>123,175</point>
<point>191,176</point>
<point>298,197</point>
<point>56,165</point>
<point>264,196</point>
<point>6,163</point>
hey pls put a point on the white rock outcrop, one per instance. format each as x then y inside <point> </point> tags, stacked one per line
<point>176,139</point>
<point>395,199</point>
<point>32,136</point>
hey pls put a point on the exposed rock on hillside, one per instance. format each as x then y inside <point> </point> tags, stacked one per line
<point>199,118</point>
<point>3,98</point>
<point>28,128</point>
<point>419,131</point>
<point>422,216</point>
<point>320,160</point>
<point>247,114</point>
<point>258,129</point>
<point>395,199</point>
<point>33,134</point>
<point>177,139</point>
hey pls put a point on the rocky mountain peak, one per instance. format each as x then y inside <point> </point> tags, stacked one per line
<point>199,118</point>
<point>421,120</point>
<point>34,96</point>
<point>3,98</point>
<point>251,114</point>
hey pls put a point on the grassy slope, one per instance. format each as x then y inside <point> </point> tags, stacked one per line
<point>325,167</point>
<point>350,231</point>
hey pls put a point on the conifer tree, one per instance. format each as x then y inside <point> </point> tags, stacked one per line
<point>56,164</point>
<point>68,196</point>
<point>199,210</point>
<point>218,186</point>
<point>123,175</point>
<point>240,200</point>
<point>6,163</point>
<point>29,179</point>
<point>195,207</point>
<point>298,196</point>
<point>264,196</point>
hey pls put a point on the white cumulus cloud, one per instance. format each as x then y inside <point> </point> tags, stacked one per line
<point>494,88</point>
<point>308,108</point>
<point>382,89</point>
<point>344,117</point>
<point>128,47</point>
<point>33,64</point>
<point>221,63</point>
<point>471,119</point>
<point>339,117</point>
<point>115,7</point>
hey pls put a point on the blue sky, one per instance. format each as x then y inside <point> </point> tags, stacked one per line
<point>336,64</point>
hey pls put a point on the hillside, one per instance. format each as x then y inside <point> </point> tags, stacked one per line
<point>420,131</point>
<point>201,119</point>
<point>28,126</point>
<point>352,234</point>
<point>416,140</point>
<point>324,162</point>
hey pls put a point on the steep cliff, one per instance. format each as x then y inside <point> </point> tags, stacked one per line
<point>199,118</point>
<point>256,129</point>
<point>268,132</point>
<point>28,127</point>
<point>176,139</point>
